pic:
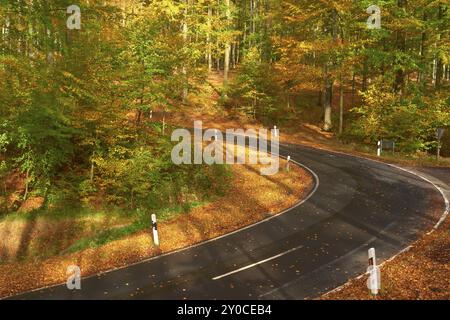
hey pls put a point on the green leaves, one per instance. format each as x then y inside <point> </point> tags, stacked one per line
<point>411,121</point>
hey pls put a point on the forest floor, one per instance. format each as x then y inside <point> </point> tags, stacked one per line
<point>39,246</point>
<point>300,129</point>
<point>420,273</point>
<point>313,136</point>
<point>252,197</point>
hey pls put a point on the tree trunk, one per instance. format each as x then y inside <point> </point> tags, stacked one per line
<point>217,42</point>
<point>364,75</point>
<point>421,77</point>
<point>439,61</point>
<point>327,104</point>
<point>132,199</point>
<point>353,88</point>
<point>288,101</point>
<point>252,19</point>
<point>254,103</point>
<point>185,40</point>
<point>218,63</point>
<point>327,100</point>
<point>91,177</point>
<point>238,52</point>
<point>164,123</point>
<point>27,183</point>
<point>209,53</point>
<point>328,125</point>
<point>399,83</point>
<point>226,64</point>
<point>341,106</point>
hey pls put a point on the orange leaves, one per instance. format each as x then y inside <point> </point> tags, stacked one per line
<point>252,198</point>
<point>421,273</point>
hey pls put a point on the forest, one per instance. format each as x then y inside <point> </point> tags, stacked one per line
<point>75,100</point>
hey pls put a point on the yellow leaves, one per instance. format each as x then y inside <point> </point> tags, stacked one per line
<point>70,76</point>
<point>420,273</point>
<point>242,205</point>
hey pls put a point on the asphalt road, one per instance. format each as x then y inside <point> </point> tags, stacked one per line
<point>306,251</point>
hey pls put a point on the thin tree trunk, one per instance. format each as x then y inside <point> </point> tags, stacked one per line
<point>217,42</point>
<point>422,73</point>
<point>238,52</point>
<point>439,61</point>
<point>218,62</point>
<point>353,88</point>
<point>233,55</point>
<point>91,177</point>
<point>341,106</point>
<point>254,102</point>
<point>226,64</point>
<point>288,101</point>
<point>164,123</point>
<point>364,75</point>
<point>185,40</point>
<point>209,53</point>
<point>27,183</point>
<point>400,76</point>
<point>252,18</point>
<point>132,198</point>
<point>5,205</point>
<point>329,82</point>
<point>327,104</point>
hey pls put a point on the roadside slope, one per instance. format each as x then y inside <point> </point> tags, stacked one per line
<point>251,198</point>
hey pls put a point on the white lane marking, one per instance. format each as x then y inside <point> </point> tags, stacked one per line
<point>415,173</point>
<point>446,200</point>
<point>286,285</point>
<point>299,203</point>
<point>257,263</point>
<point>443,218</point>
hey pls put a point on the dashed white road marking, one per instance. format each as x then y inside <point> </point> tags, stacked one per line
<point>257,263</point>
<point>299,203</point>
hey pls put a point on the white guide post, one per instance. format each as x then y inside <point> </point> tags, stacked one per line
<point>155,230</point>
<point>374,281</point>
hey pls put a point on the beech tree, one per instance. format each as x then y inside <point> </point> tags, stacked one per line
<point>65,92</point>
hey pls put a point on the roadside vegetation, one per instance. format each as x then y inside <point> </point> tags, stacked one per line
<point>77,140</point>
<point>37,248</point>
<point>76,106</point>
<point>86,115</point>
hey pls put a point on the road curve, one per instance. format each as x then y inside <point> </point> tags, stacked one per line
<point>308,250</point>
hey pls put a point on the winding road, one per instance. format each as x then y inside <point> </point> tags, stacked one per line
<point>301,253</point>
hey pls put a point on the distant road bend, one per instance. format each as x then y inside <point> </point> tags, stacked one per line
<point>307,250</point>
